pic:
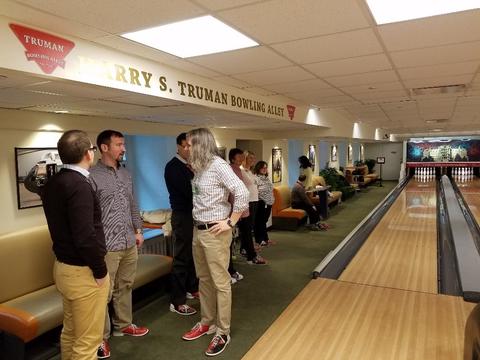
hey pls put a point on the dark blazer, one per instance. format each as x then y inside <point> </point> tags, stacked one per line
<point>74,220</point>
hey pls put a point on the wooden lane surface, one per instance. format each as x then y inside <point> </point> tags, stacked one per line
<point>336,320</point>
<point>471,193</point>
<point>401,252</point>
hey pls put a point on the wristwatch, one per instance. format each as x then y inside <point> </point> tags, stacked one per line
<point>229,223</point>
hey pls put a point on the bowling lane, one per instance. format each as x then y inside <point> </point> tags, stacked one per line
<point>401,252</point>
<point>471,193</point>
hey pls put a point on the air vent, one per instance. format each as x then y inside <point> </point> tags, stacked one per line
<point>438,90</point>
<point>436,121</point>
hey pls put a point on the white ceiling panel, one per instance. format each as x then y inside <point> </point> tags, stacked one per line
<point>435,31</point>
<point>224,4</point>
<point>259,91</point>
<point>314,94</point>
<point>439,81</point>
<point>370,78</point>
<point>25,98</point>
<point>284,20</point>
<point>242,61</point>
<point>231,81</point>
<point>354,65</point>
<point>290,73</point>
<point>437,55</point>
<point>48,21</point>
<point>297,86</point>
<point>120,16</point>
<point>330,47</point>
<point>382,96</point>
<point>361,89</point>
<point>460,68</point>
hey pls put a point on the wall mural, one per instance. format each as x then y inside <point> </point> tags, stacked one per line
<point>447,150</point>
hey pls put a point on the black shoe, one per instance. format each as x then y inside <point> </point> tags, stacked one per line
<point>217,345</point>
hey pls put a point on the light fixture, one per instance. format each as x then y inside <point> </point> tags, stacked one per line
<point>61,111</point>
<point>194,37</point>
<point>389,11</point>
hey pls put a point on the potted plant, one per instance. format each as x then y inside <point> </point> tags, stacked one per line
<point>370,164</point>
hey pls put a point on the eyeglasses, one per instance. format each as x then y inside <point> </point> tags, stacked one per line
<point>93,148</point>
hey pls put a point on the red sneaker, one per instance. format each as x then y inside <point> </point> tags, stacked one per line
<point>131,330</point>
<point>199,330</point>
<point>103,351</point>
<point>217,345</point>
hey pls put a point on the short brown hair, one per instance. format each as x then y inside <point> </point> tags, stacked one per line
<point>73,145</point>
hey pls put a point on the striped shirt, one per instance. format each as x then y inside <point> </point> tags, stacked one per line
<point>265,189</point>
<point>211,188</point>
<point>120,214</point>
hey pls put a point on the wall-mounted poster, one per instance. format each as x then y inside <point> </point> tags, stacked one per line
<point>311,156</point>
<point>443,150</point>
<point>222,152</point>
<point>362,153</point>
<point>276,165</point>
<point>333,153</point>
<point>34,166</point>
<point>349,154</point>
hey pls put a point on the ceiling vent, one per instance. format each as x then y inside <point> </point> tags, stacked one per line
<point>436,121</point>
<point>438,90</point>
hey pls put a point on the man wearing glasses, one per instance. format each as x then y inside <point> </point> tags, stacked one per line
<point>123,233</point>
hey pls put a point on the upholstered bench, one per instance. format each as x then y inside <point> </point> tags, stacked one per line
<point>334,197</point>
<point>30,304</point>
<point>283,215</point>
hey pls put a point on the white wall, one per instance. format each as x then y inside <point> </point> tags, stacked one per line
<point>393,153</point>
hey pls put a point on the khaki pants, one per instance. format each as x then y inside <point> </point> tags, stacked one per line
<point>84,304</point>
<point>211,255</point>
<point>122,266</point>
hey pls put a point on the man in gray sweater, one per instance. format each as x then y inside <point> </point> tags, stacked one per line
<point>300,200</point>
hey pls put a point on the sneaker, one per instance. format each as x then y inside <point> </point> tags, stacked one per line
<point>103,351</point>
<point>131,330</point>
<point>199,330</point>
<point>263,243</point>
<point>193,295</point>
<point>182,309</point>
<point>237,276</point>
<point>232,280</point>
<point>217,345</point>
<point>257,260</point>
<point>243,252</point>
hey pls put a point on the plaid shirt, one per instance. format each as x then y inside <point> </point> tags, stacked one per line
<point>120,214</point>
<point>211,188</point>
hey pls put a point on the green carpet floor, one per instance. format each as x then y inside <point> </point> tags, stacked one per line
<point>258,299</point>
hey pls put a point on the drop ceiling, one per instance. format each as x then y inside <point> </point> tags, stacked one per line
<point>330,54</point>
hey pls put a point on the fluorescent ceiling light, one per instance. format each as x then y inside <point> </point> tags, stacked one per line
<point>389,11</point>
<point>194,37</point>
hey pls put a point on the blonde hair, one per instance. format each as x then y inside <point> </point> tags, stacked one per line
<point>246,153</point>
<point>203,150</point>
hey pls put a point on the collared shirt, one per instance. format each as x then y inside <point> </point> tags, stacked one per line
<point>211,188</point>
<point>77,168</point>
<point>250,181</point>
<point>265,189</point>
<point>181,159</point>
<point>299,196</point>
<point>120,214</point>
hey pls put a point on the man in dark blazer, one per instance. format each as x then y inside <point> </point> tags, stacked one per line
<point>74,220</point>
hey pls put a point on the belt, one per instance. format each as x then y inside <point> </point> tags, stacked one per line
<point>205,226</point>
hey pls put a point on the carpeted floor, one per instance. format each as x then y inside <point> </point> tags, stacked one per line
<point>258,299</point>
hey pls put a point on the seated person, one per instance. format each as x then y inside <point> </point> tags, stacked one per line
<point>300,200</point>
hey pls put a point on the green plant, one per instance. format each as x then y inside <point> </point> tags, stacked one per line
<point>337,182</point>
<point>359,163</point>
<point>370,164</point>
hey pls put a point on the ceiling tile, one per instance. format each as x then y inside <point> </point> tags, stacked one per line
<point>231,81</point>
<point>364,79</point>
<point>297,86</point>
<point>377,87</point>
<point>330,47</point>
<point>437,55</point>
<point>283,20</point>
<point>290,73</point>
<point>242,61</point>
<point>224,4</point>
<point>435,31</point>
<point>119,16</point>
<point>460,68</point>
<point>354,65</point>
<point>259,91</point>
<point>306,96</point>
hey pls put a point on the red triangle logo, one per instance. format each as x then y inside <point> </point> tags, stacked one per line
<point>291,111</point>
<point>47,50</point>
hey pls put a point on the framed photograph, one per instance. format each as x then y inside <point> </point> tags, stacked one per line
<point>312,156</point>
<point>333,153</point>
<point>222,152</point>
<point>34,166</point>
<point>381,160</point>
<point>276,165</point>
<point>350,154</point>
<point>362,153</point>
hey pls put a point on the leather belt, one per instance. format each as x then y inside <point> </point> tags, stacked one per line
<point>205,226</point>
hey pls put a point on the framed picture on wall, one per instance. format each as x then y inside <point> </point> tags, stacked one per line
<point>222,152</point>
<point>333,153</point>
<point>34,166</point>
<point>349,154</point>
<point>362,153</point>
<point>276,165</point>
<point>312,156</point>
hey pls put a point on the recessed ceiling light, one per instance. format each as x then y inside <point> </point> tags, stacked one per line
<point>193,37</point>
<point>389,11</point>
<point>61,111</point>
